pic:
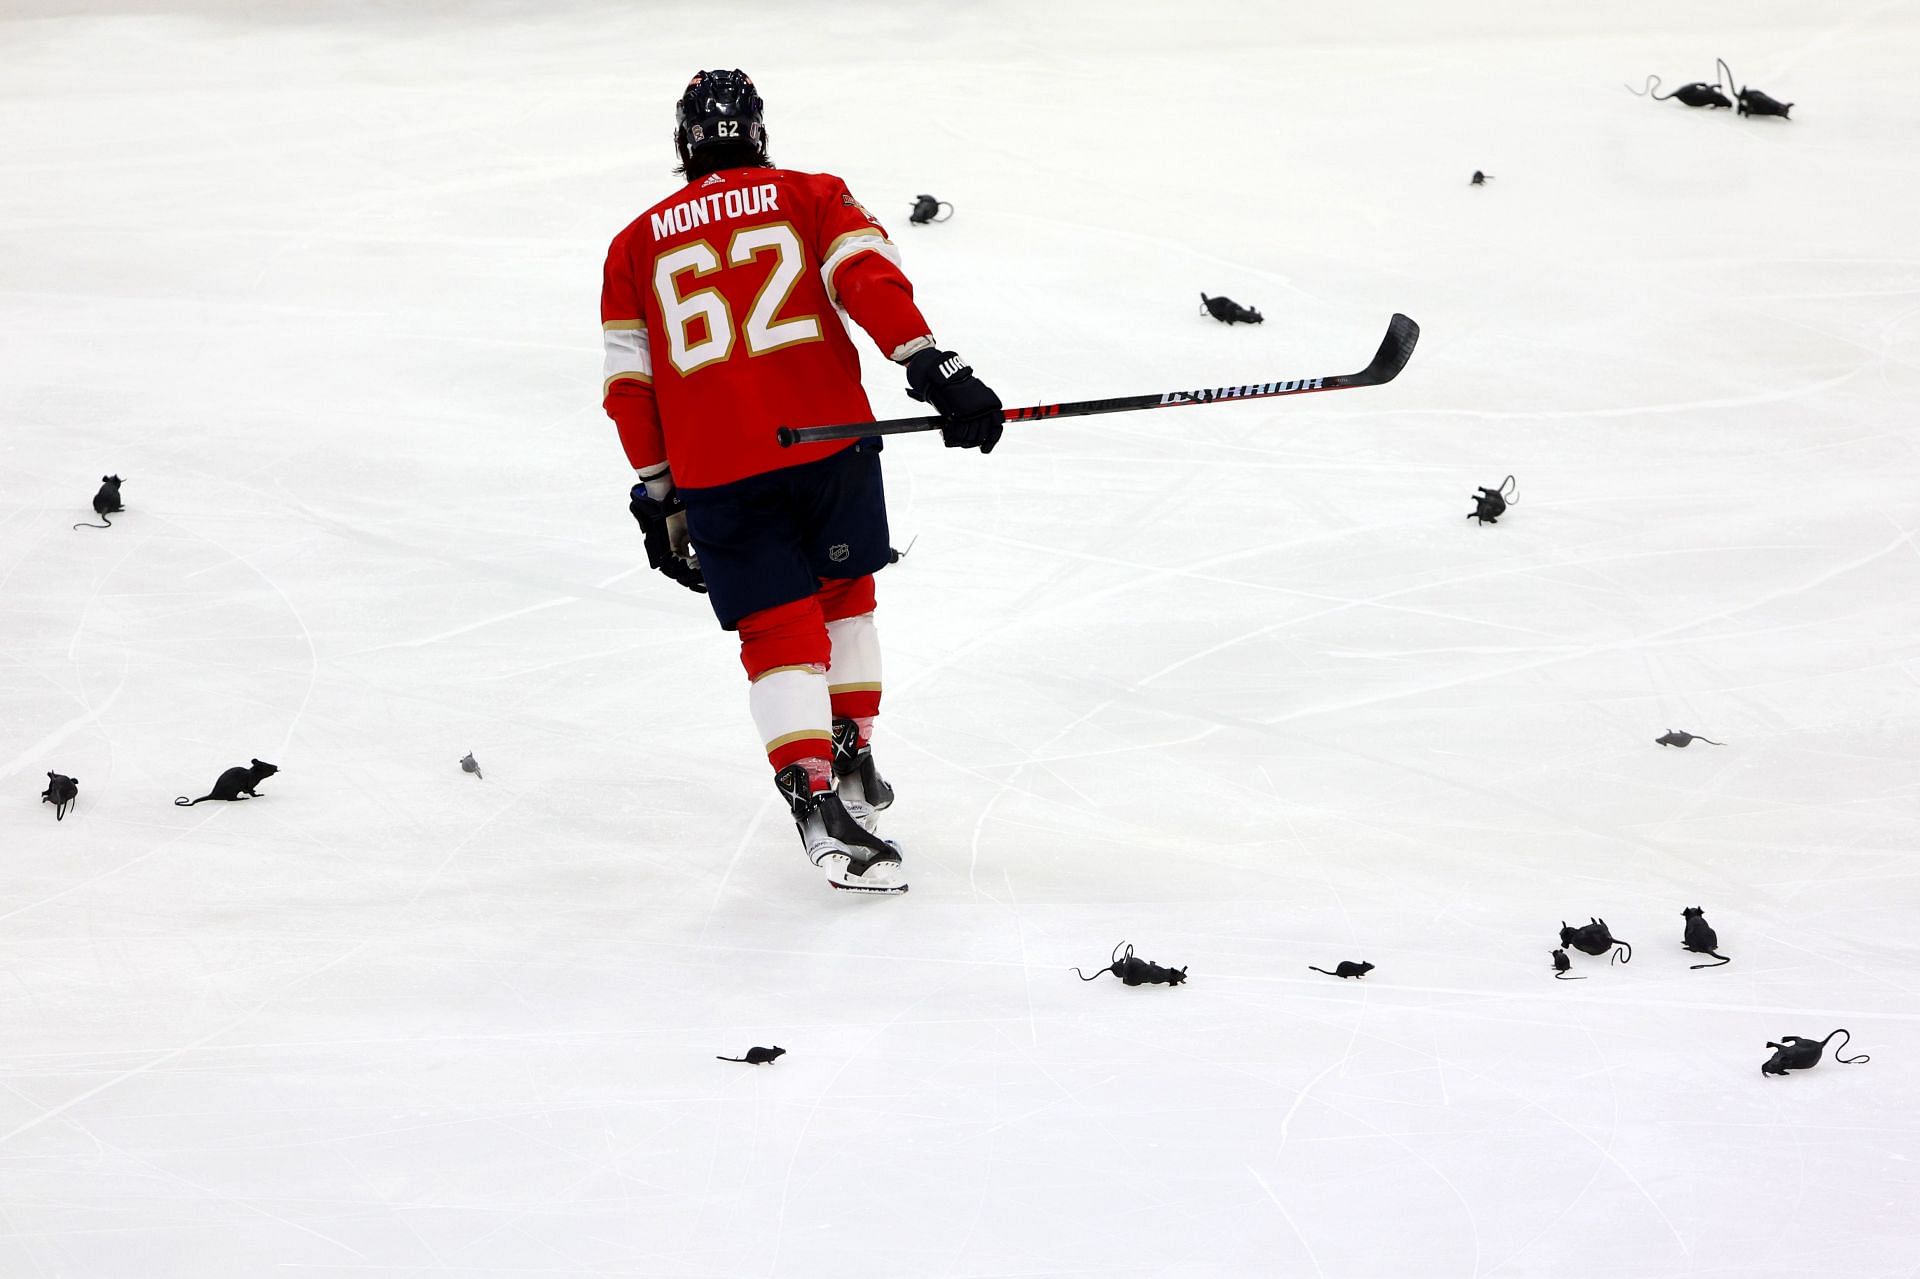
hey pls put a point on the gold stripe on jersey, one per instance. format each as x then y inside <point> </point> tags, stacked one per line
<point>872,686</point>
<point>611,325</point>
<point>864,232</point>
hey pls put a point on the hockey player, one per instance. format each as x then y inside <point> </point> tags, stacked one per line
<point>719,314</point>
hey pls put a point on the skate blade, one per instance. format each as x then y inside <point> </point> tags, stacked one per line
<point>874,890</point>
<point>879,878</point>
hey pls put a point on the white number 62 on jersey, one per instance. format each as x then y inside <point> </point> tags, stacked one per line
<point>763,333</point>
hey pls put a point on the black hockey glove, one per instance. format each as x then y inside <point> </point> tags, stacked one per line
<point>664,525</point>
<point>971,409</point>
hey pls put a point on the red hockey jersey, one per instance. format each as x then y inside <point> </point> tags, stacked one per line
<point>718,311</point>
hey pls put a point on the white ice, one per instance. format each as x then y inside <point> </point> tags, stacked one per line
<point>1240,685</point>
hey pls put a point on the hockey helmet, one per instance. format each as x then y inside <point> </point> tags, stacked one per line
<point>719,107</point>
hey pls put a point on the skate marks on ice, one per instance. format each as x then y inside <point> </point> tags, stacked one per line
<point>1517,1010</point>
<point>1561,652</point>
<point>1306,1245</point>
<point>1750,400</point>
<point>1904,541</point>
<point>1042,603</point>
<point>830,1092</point>
<point>29,758</point>
<point>1366,1127</point>
<point>1043,606</point>
<point>245,558</point>
<point>48,1113</point>
<point>571,592</point>
<point>1376,1130</point>
<point>1119,693</point>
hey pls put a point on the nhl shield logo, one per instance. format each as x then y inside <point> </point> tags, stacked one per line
<point>838,552</point>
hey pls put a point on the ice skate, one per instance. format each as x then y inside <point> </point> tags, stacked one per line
<point>861,788</point>
<point>854,858</point>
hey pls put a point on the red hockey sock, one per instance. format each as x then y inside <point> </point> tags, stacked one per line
<point>785,650</point>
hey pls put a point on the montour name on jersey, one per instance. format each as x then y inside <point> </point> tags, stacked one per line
<point>1241,392</point>
<point>740,202</point>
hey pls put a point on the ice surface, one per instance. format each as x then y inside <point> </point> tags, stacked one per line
<point>1241,685</point>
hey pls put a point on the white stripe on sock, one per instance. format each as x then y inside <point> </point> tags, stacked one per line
<point>790,701</point>
<point>856,651</point>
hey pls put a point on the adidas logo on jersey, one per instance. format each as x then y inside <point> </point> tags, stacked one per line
<point>713,178</point>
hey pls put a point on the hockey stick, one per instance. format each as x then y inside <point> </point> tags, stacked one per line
<point>1395,350</point>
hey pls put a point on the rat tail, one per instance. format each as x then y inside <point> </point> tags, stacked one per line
<point>184,802</point>
<point>1567,977</point>
<point>106,524</point>
<point>1653,82</point>
<point>1508,489</point>
<point>1846,1038</point>
<point>1718,957</point>
<point>1617,959</point>
<point>718,1058</point>
<point>1113,960</point>
<point>1328,971</point>
<point>1719,65</point>
<point>1203,301</point>
<point>1708,740</point>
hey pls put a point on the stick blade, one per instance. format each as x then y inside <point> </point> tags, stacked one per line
<point>1396,348</point>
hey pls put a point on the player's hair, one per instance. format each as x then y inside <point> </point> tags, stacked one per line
<point>722,155</point>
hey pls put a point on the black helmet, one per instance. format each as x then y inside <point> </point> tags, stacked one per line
<point>719,108</point>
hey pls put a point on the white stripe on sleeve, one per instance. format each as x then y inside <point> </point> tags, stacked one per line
<point>849,245</point>
<point>627,354</point>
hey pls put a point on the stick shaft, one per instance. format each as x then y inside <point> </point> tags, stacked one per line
<point>1395,349</point>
